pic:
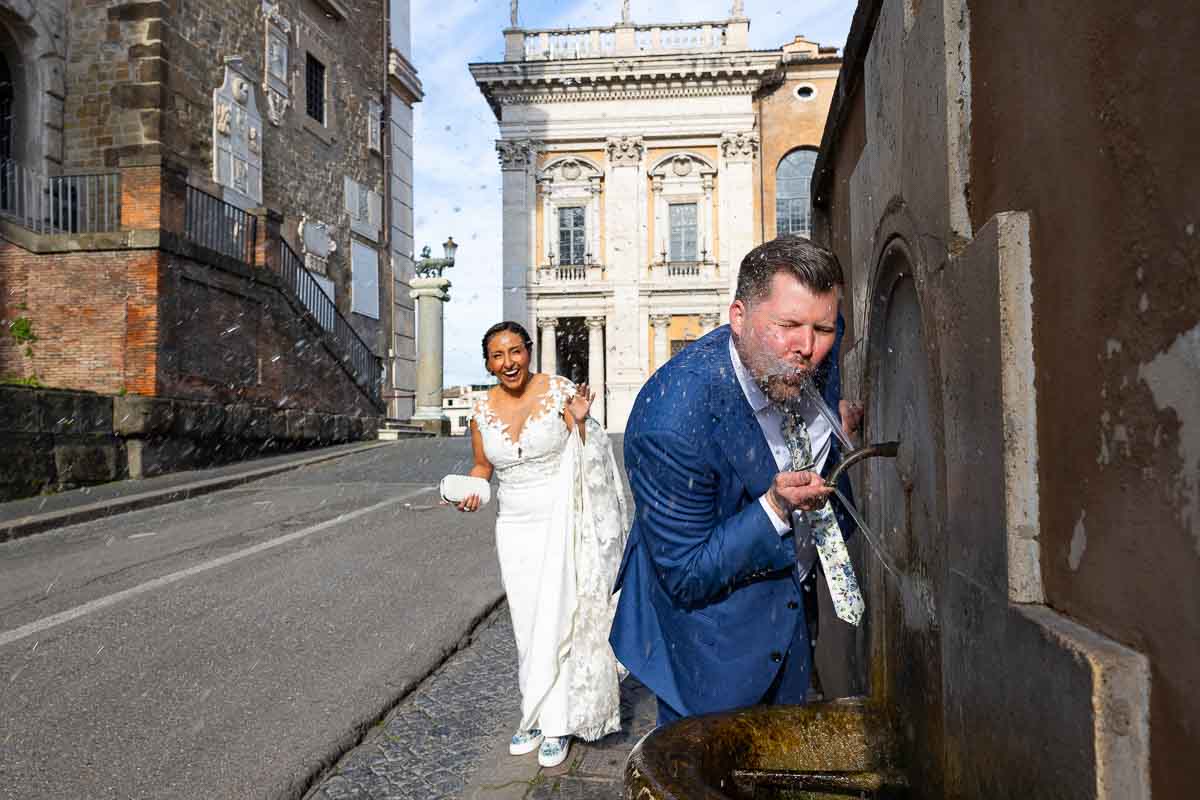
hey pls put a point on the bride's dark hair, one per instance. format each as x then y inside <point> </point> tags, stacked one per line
<point>507,327</point>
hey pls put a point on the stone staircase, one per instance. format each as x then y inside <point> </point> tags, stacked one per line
<point>394,429</point>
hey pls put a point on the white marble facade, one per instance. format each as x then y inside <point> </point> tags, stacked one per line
<point>587,122</point>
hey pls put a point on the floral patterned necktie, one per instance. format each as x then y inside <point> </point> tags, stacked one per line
<point>831,547</point>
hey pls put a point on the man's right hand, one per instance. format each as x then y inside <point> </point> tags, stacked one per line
<point>791,490</point>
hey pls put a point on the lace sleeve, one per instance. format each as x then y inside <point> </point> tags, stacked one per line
<point>563,391</point>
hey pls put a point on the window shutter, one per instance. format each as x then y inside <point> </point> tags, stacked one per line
<point>364,267</point>
<point>375,213</point>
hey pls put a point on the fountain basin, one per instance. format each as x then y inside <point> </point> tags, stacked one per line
<point>837,749</point>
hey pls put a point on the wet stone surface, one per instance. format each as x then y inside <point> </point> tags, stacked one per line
<point>449,738</point>
<point>434,740</point>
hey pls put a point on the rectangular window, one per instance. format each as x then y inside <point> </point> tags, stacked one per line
<point>364,271</point>
<point>683,232</point>
<point>572,239</point>
<point>314,83</point>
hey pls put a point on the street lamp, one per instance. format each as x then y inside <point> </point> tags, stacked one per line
<point>428,267</point>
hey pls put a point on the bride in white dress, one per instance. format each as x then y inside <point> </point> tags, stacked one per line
<point>560,533</point>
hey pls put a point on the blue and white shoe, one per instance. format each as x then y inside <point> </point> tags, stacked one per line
<point>525,742</point>
<point>554,750</point>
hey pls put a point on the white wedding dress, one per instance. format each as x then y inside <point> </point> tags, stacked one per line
<point>560,533</point>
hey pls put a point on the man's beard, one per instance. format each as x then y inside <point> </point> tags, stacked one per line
<point>781,381</point>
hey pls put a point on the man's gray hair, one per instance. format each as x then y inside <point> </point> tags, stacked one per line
<point>816,268</point>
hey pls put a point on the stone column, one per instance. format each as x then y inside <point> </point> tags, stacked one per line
<point>549,348</point>
<point>430,294</point>
<point>516,159</point>
<point>595,326</point>
<point>662,342</point>
<point>738,151</point>
<point>625,232</point>
<point>709,323</point>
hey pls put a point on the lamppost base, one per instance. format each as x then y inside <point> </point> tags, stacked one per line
<point>431,420</point>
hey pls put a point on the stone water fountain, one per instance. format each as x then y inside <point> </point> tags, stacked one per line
<point>1040,583</point>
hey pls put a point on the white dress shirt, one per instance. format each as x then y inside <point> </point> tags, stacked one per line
<point>770,420</point>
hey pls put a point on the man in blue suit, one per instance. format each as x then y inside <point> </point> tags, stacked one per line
<point>712,608</point>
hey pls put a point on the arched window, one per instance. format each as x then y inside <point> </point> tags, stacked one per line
<point>793,204</point>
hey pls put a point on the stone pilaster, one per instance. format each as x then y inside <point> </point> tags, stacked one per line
<point>549,348</point>
<point>738,151</point>
<point>662,338</point>
<point>595,328</point>
<point>516,170</point>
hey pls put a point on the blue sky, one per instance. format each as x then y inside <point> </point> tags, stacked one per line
<point>457,176</point>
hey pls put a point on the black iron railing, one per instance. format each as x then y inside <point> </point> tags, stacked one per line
<point>363,364</point>
<point>223,228</point>
<point>60,203</point>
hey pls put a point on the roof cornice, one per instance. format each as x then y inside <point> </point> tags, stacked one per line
<point>623,77</point>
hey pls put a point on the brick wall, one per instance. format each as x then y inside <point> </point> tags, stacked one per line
<point>229,335</point>
<point>92,314</point>
<point>154,323</point>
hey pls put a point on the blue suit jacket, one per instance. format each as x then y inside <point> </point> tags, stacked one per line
<point>709,591</point>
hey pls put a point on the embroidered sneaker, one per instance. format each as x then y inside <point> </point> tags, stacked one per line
<point>554,750</point>
<point>525,742</point>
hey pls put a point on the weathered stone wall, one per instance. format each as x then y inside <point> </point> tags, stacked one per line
<point>52,440</point>
<point>304,163</point>
<point>33,42</point>
<point>1024,310</point>
<point>139,82</point>
<point>114,82</point>
<point>56,440</point>
<point>1092,128</point>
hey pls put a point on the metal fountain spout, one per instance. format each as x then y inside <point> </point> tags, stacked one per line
<point>877,450</point>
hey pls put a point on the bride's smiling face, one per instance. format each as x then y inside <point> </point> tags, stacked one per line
<point>508,360</point>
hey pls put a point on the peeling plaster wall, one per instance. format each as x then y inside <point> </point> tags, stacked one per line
<point>1084,115</point>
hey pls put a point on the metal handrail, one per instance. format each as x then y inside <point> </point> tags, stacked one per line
<point>364,365</point>
<point>221,227</point>
<point>57,204</point>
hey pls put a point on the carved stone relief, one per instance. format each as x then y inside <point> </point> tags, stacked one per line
<point>625,150</point>
<point>516,154</point>
<point>318,243</point>
<point>237,138</point>
<point>739,146</point>
<point>275,74</point>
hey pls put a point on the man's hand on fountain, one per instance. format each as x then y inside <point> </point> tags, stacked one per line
<point>792,490</point>
<point>852,416</point>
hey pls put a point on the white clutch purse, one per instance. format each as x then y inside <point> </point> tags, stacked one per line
<point>456,488</point>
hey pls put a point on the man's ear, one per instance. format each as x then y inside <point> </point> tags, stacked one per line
<point>737,317</point>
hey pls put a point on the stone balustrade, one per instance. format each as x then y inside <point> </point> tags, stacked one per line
<point>552,44</point>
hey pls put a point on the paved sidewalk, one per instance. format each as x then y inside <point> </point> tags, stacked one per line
<point>35,514</point>
<point>449,738</point>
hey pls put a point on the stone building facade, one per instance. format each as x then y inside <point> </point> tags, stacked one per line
<point>639,164</point>
<point>1014,205</point>
<point>209,201</point>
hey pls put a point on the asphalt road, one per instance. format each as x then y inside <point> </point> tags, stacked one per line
<point>231,645</point>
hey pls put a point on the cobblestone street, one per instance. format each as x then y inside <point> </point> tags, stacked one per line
<point>449,738</point>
